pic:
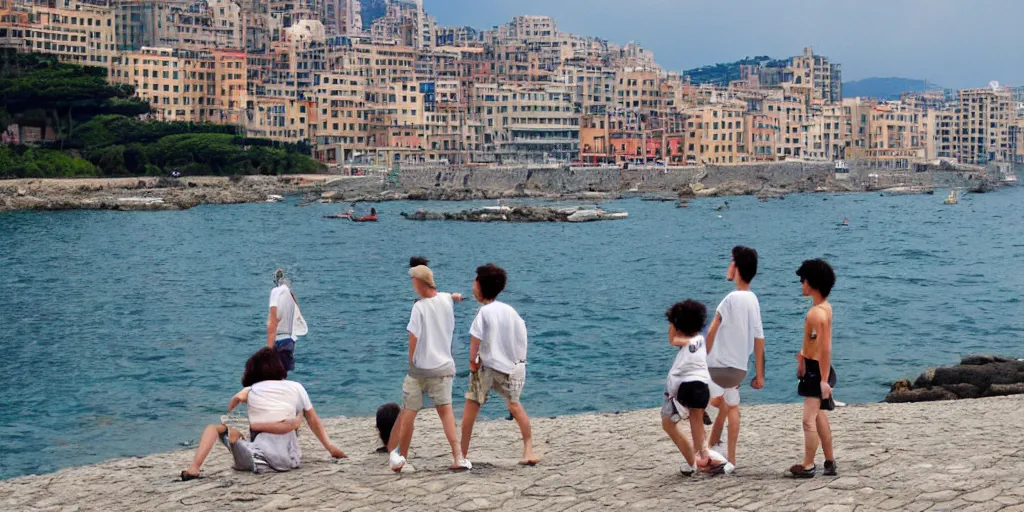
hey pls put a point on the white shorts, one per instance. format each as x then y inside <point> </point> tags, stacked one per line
<point>732,395</point>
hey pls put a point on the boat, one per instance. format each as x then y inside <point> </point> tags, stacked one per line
<point>954,198</point>
<point>683,204</point>
<point>346,215</point>
<point>274,198</point>
<point>367,218</point>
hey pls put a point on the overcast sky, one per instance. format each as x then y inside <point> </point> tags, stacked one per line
<point>953,43</point>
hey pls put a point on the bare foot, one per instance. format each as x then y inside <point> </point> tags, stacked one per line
<point>529,461</point>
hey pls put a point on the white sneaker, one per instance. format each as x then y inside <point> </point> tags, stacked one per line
<point>720,463</point>
<point>687,470</point>
<point>396,461</point>
<point>465,464</point>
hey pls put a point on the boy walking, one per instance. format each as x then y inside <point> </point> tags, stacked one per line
<point>497,358</point>
<point>431,368</point>
<point>735,333</point>
<point>686,389</point>
<point>814,368</point>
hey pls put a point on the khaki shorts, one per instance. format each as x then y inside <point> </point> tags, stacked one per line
<point>438,389</point>
<point>486,379</point>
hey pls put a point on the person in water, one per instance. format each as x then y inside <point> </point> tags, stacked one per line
<point>284,323</point>
<point>735,334</point>
<point>431,369</point>
<point>686,388</point>
<point>497,358</point>
<point>814,368</point>
<point>276,408</point>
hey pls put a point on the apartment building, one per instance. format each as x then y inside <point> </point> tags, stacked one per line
<point>76,31</point>
<point>941,133</point>
<point>985,119</point>
<point>201,25</point>
<point>187,85</point>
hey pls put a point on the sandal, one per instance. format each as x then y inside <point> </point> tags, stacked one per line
<point>185,477</point>
<point>799,471</point>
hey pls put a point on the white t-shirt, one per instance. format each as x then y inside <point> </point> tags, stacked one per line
<point>433,323</point>
<point>272,401</point>
<point>741,323</point>
<point>281,298</point>
<point>502,335</point>
<point>690,365</point>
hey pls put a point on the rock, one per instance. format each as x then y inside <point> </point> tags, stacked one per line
<point>975,377</point>
<point>517,214</point>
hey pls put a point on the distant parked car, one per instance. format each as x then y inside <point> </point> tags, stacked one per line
<point>176,174</point>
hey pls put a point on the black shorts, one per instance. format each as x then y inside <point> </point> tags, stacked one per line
<point>810,384</point>
<point>693,395</point>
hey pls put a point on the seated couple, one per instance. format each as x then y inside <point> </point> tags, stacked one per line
<point>276,408</point>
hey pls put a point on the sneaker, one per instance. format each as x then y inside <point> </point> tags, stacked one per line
<point>396,461</point>
<point>687,470</point>
<point>465,464</point>
<point>830,468</point>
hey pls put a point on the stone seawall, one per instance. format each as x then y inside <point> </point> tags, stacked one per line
<point>963,455</point>
<point>567,180</point>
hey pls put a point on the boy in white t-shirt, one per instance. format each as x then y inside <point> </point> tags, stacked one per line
<point>431,368</point>
<point>686,388</point>
<point>735,334</point>
<point>497,358</point>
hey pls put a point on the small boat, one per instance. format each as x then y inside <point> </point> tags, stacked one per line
<point>954,198</point>
<point>683,204</point>
<point>1009,178</point>
<point>367,218</point>
<point>274,198</point>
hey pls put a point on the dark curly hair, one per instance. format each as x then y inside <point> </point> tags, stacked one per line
<point>688,317</point>
<point>819,275</point>
<point>492,279</point>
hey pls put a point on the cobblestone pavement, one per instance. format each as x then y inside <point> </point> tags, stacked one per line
<point>965,455</point>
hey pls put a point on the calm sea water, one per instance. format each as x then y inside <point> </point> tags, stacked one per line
<point>126,333</point>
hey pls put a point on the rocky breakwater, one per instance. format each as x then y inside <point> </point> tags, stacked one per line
<point>145,194</point>
<point>518,214</point>
<point>974,377</point>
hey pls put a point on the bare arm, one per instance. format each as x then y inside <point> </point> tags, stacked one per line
<point>474,353</point>
<point>278,427</point>
<point>412,346</point>
<point>272,327</point>
<point>824,349</point>
<point>713,331</point>
<point>457,297</point>
<point>758,382</point>
<point>240,397</point>
<point>321,433</point>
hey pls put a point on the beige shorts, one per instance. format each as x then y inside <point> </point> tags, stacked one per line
<point>438,389</point>
<point>508,386</point>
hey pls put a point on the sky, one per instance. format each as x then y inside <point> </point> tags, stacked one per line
<point>952,43</point>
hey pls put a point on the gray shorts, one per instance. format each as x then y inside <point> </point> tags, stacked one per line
<point>268,452</point>
<point>438,389</point>
<point>726,382</point>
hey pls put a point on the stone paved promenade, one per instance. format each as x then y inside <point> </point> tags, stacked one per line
<point>966,455</point>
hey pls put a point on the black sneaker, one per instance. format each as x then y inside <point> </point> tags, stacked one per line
<point>707,419</point>
<point>799,471</point>
<point>830,468</point>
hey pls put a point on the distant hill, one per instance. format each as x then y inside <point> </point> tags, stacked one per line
<point>884,88</point>
<point>725,72</point>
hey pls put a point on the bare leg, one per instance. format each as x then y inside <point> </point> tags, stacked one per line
<point>469,415</point>
<point>407,420</point>
<point>450,431</point>
<point>697,432</point>
<point>206,442</point>
<point>396,434</point>
<point>734,431</point>
<point>811,407</point>
<point>716,429</point>
<point>524,428</point>
<point>825,434</point>
<point>680,440</point>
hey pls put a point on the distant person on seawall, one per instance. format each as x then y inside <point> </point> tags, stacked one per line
<point>284,323</point>
<point>276,407</point>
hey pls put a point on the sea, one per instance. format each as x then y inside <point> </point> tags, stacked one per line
<point>126,333</point>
